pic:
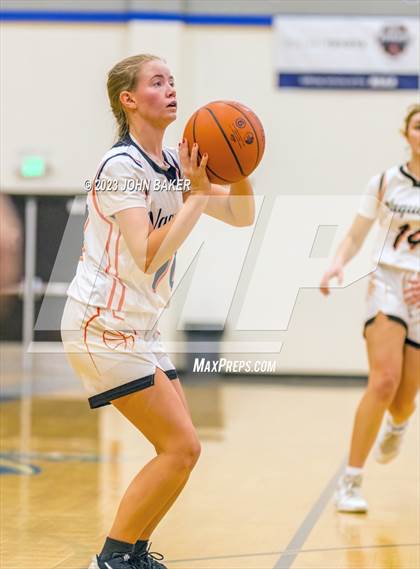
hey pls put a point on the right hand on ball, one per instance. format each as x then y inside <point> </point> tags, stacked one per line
<point>194,171</point>
<point>335,271</point>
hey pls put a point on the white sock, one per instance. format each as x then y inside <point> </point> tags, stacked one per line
<point>353,471</point>
<point>398,427</point>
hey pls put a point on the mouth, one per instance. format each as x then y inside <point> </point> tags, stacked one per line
<point>172,105</point>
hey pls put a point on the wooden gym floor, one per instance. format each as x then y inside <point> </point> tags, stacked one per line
<point>259,498</point>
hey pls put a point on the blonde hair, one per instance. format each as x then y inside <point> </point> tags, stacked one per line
<point>411,111</point>
<point>123,77</point>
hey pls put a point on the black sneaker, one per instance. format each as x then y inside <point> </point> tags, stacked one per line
<point>117,561</point>
<point>147,560</point>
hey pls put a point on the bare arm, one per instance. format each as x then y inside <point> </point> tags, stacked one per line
<point>346,251</point>
<point>234,206</point>
<point>412,292</point>
<point>10,243</point>
<point>152,248</point>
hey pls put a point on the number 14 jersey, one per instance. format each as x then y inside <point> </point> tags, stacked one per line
<point>394,199</point>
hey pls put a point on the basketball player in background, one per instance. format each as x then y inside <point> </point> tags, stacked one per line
<point>10,248</point>
<point>123,282</point>
<point>392,327</point>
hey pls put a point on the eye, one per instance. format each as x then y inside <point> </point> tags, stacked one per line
<point>157,83</point>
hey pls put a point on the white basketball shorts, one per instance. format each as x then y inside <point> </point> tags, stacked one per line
<point>386,294</point>
<point>109,354</point>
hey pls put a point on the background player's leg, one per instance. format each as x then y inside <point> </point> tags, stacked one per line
<point>385,342</point>
<point>403,403</point>
<point>400,409</point>
<point>385,345</point>
<point>161,416</point>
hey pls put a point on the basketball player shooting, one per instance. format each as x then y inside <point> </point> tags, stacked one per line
<point>123,282</point>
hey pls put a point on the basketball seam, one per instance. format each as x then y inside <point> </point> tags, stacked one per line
<point>227,140</point>
<point>252,126</point>
<point>199,154</point>
<point>220,177</point>
<point>193,126</point>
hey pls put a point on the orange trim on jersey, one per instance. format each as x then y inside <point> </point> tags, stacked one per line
<point>107,249</point>
<point>111,294</point>
<point>82,253</point>
<point>85,330</point>
<point>122,299</point>
<point>123,287</point>
<point>110,227</point>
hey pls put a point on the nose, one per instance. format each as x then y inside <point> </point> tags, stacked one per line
<point>171,92</point>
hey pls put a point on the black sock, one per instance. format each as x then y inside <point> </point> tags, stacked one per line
<point>140,546</point>
<point>114,546</point>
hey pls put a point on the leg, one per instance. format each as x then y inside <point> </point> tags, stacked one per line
<point>160,415</point>
<point>155,521</point>
<point>385,340</point>
<point>403,404</point>
<point>178,388</point>
<point>385,343</point>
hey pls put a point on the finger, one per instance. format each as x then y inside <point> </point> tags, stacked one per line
<point>340,277</point>
<point>194,155</point>
<point>324,288</point>
<point>204,161</point>
<point>183,150</point>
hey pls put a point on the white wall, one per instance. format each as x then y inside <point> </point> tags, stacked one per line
<point>54,102</point>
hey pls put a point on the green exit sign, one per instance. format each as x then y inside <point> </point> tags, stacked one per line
<point>32,167</point>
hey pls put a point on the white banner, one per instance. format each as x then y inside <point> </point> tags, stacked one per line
<point>331,52</point>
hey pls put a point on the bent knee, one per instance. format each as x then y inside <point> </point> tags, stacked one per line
<point>193,453</point>
<point>186,452</point>
<point>385,385</point>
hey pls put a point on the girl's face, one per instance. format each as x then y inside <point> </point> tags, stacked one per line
<point>413,134</point>
<point>155,94</point>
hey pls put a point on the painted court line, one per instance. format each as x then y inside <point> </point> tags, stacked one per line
<point>295,545</point>
<point>301,552</point>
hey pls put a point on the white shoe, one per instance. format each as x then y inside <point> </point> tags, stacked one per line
<point>94,563</point>
<point>389,443</point>
<point>348,497</point>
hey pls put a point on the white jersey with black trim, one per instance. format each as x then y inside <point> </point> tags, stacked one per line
<point>394,199</point>
<point>107,275</point>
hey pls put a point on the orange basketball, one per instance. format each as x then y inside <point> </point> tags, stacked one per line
<point>233,137</point>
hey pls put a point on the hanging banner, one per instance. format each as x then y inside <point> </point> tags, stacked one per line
<point>331,52</point>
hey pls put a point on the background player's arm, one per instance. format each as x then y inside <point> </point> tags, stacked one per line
<point>347,250</point>
<point>412,292</point>
<point>234,206</point>
<point>10,243</point>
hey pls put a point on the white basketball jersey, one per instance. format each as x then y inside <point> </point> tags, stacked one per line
<point>394,199</point>
<point>107,275</point>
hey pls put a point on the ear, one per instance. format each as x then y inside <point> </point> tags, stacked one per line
<point>126,99</point>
